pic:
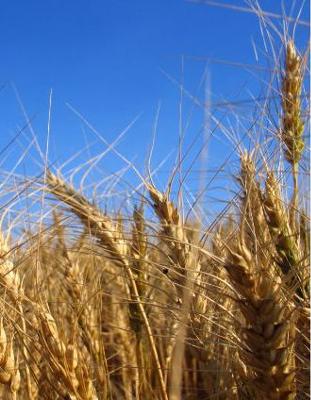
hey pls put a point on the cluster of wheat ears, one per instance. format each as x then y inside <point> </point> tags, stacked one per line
<point>130,308</point>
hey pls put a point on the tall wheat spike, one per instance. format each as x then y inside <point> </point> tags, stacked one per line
<point>292,126</point>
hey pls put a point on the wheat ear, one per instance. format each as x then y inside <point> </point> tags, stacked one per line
<point>292,126</point>
<point>102,228</point>
<point>268,332</point>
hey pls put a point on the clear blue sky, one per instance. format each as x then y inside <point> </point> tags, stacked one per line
<point>106,58</point>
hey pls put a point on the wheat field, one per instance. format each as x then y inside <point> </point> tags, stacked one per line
<point>152,304</point>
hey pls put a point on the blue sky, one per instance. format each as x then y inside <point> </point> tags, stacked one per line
<point>111,60</point>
